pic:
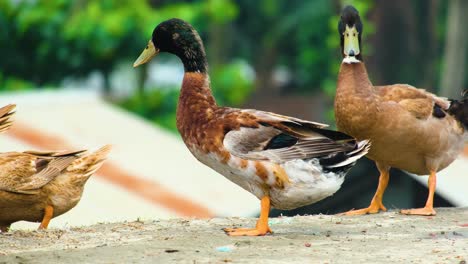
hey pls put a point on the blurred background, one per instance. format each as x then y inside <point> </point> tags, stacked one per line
<point>68,67</point>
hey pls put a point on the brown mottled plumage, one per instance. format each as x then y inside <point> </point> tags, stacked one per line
<point>284,161</point>
<point>410,129</point>
<point>37,186</point>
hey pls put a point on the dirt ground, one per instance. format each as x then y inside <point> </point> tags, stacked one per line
<point>383,238</point>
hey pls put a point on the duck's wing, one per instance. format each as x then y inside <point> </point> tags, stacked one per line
<point>277,118</point>
<point>419,102</point>
<point>26,172</point>
<point>6,113</point>
<point>280,139</point>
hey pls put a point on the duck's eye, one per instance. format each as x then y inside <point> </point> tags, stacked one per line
<point>147,47</point>
<point>354,34</point>
<point>347,34</point>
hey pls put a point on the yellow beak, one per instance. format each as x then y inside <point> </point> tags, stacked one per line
<point>148,53</point>
<point>351,42</point>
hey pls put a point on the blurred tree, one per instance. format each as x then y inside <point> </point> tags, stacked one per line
<point>410,40</point>
<point>455,53</point>
<point>46,41</point>
<point>271,33</point>
<point>49,40</point>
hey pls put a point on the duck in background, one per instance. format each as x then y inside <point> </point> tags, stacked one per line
<point>410,129</point>
<point>37,186</point>
<point>284,161</point>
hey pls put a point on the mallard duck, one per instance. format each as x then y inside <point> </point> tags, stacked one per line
<point>6,113</point>
<point>284,161</point>
<point>37,186</point>
<point>410,129</point>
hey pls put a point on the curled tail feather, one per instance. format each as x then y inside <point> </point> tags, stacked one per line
<point>343,161</point>
<point>459,109</point>
<point>90,163</point>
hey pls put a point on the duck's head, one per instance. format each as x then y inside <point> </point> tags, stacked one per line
<point>350,30</point>
<point>177,37</point>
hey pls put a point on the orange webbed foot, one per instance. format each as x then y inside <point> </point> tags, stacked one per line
<point>228,230</point>
<point>373,208</point>
<point>248,231</point>
<point>376,204</point>
<point>260,229</point>
<point>426,211</point>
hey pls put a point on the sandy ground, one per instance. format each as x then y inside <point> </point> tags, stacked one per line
<point>383,238</point>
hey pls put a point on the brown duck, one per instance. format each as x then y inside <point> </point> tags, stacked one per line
<point>37,186</point>
<point>410,129</point>
<point>284,161</point>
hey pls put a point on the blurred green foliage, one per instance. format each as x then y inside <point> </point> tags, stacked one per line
<point>49,40</point>
<point>157,105</point>
<point>231,84</point>
<point>247,41</point>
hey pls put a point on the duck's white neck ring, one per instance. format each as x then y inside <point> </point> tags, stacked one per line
<point>349,60</point>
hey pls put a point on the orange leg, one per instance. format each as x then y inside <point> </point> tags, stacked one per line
<point>261,228</point>
<point>428,209</point>
<point>376,204</point>
<point>48,214</point>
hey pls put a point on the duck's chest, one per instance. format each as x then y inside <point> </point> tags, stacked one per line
<point>355,102</point>
<point>354,116</point>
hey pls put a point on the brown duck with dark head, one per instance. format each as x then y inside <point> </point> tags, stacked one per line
<point>284,161</point>
<point>410,129</point>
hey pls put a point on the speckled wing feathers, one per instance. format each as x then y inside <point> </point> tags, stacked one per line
<point>25,172</point>
<point>418,102</point>
<point>272,118</point>
<point>53,169</point>
<point>249,142</point>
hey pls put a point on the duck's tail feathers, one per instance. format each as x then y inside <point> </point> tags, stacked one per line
<point>459,109</point>
<point>6,113</point>
<point>343,161</point>
<point>88,164</point>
